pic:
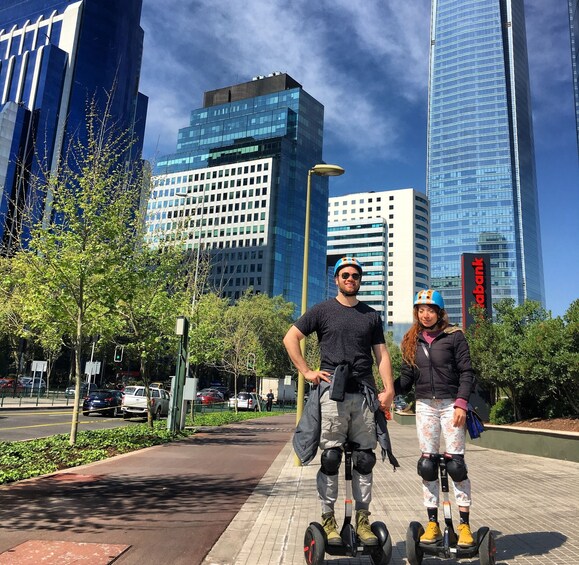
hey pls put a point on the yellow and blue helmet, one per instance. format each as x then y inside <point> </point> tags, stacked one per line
<point>348,261</point>
<point>430,297</point>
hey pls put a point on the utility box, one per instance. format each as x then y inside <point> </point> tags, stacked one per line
<point>283,389</point>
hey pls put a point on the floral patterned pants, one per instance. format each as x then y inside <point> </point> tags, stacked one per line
<point>433,419</point>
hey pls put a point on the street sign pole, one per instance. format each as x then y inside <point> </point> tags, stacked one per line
<point>174,421</point>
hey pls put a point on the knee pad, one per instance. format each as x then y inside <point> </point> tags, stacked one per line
<point>456,467</point>
<point>427,466</point>
<point>364,461</point>
<point>331,459</point>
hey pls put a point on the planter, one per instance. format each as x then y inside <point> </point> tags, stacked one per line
<point>405,418</point>
<point>544,443</point>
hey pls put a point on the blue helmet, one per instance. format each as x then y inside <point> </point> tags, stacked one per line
<point>430,297</point>
<point>347,262</point>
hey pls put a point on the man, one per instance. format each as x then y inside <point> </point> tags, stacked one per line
<point>348,331</point>
<point>269,398</point>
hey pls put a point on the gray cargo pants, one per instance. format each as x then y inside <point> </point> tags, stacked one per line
<point>349,420</point>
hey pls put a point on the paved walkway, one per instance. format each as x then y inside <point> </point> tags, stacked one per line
<point>530,503</point>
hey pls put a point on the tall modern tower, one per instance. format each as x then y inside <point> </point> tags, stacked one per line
<point>237,186</point>
<point>55,57</point>
<point>574,28</point>
<point>481,179</point>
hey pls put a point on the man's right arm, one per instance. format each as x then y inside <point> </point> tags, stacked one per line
<point>291,342</point>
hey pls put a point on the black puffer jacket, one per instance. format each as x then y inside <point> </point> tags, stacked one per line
<point>445,373</point>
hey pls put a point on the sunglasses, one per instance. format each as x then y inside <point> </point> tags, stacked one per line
<point>346,276</point>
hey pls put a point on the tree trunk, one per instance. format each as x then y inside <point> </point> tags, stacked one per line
<point>77,381</point>
<point>145,374</point>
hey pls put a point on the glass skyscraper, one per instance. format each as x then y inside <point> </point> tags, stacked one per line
<point>481,178</point>
<point>574,28</point>
<point>239,178</point>
<point>55,57</point>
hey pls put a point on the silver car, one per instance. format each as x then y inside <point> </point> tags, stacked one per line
<point>246,401</point>
<point>135,402</point>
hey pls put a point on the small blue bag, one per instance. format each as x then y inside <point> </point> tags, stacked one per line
<point>474,424</point>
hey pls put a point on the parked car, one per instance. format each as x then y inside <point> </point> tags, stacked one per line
<point>210,397</point>
<point>10,386</point>
<point>400,402</point>
<point>35,384</point>
<point>85,388</point>
<point>135,402</point>
<point>246,401</point>
<point>224,392</point>
<point>105,402</point>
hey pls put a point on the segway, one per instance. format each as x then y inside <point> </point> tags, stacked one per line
<point>315,540</point>
<point>484,543</point>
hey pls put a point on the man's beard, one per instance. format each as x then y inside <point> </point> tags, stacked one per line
<point>348,292</point>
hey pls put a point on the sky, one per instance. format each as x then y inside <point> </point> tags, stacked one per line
<point>367,63</point>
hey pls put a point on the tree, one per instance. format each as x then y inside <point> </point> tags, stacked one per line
<point>395,357</point>
<point>206,336</point>
<point>69,274</point>
<point>252,334</point>
<point>155,294</point>
<point>550,363</point>
<point>529,355</point>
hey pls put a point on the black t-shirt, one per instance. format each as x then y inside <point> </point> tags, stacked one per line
<point>345,334</point>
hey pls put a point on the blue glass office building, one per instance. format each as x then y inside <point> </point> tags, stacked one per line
<point>481,178</point>
<point>574,29</point>
<point>242,164</point>
<point>55,56</point>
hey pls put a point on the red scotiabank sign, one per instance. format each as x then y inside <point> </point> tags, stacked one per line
<point>476,285</point>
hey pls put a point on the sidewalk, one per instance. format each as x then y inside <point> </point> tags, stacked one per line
<point>26,401</point>
<point>530,503</point>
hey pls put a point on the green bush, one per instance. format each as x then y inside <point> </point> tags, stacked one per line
<point>502,412</point>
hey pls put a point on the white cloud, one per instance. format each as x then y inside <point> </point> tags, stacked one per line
<point>359,59</point>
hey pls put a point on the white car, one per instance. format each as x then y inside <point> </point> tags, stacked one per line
<point>246,401</point>
<point>35,384</point>
<point>135,402</point>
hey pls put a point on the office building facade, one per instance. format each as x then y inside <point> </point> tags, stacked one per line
<point>238,184</point>
<point>574,29</point>
<point>56,57</point>
<point>481,179</point>
<point>389,232</point>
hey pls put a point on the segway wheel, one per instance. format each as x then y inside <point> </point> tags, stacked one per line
<point>383,553</point>
<point>314,544</point>
<point>487,549</point>
<point>413,552</point>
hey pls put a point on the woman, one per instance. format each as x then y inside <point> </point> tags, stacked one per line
<point>436,361</point>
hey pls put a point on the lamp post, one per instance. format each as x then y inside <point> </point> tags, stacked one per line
<point>320,170</point>
<point>196,275</point>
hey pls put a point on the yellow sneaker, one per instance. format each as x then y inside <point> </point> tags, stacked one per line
<point>363,528</point>
<point>465,538</point>
<point>432,534</point>
<point>331,528</point>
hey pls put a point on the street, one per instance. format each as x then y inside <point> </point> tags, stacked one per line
<point>23,424</point>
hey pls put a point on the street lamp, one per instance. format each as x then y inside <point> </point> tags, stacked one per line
<point>321,170</point>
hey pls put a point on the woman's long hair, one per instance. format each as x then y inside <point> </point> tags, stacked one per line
<point>408,345</point>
